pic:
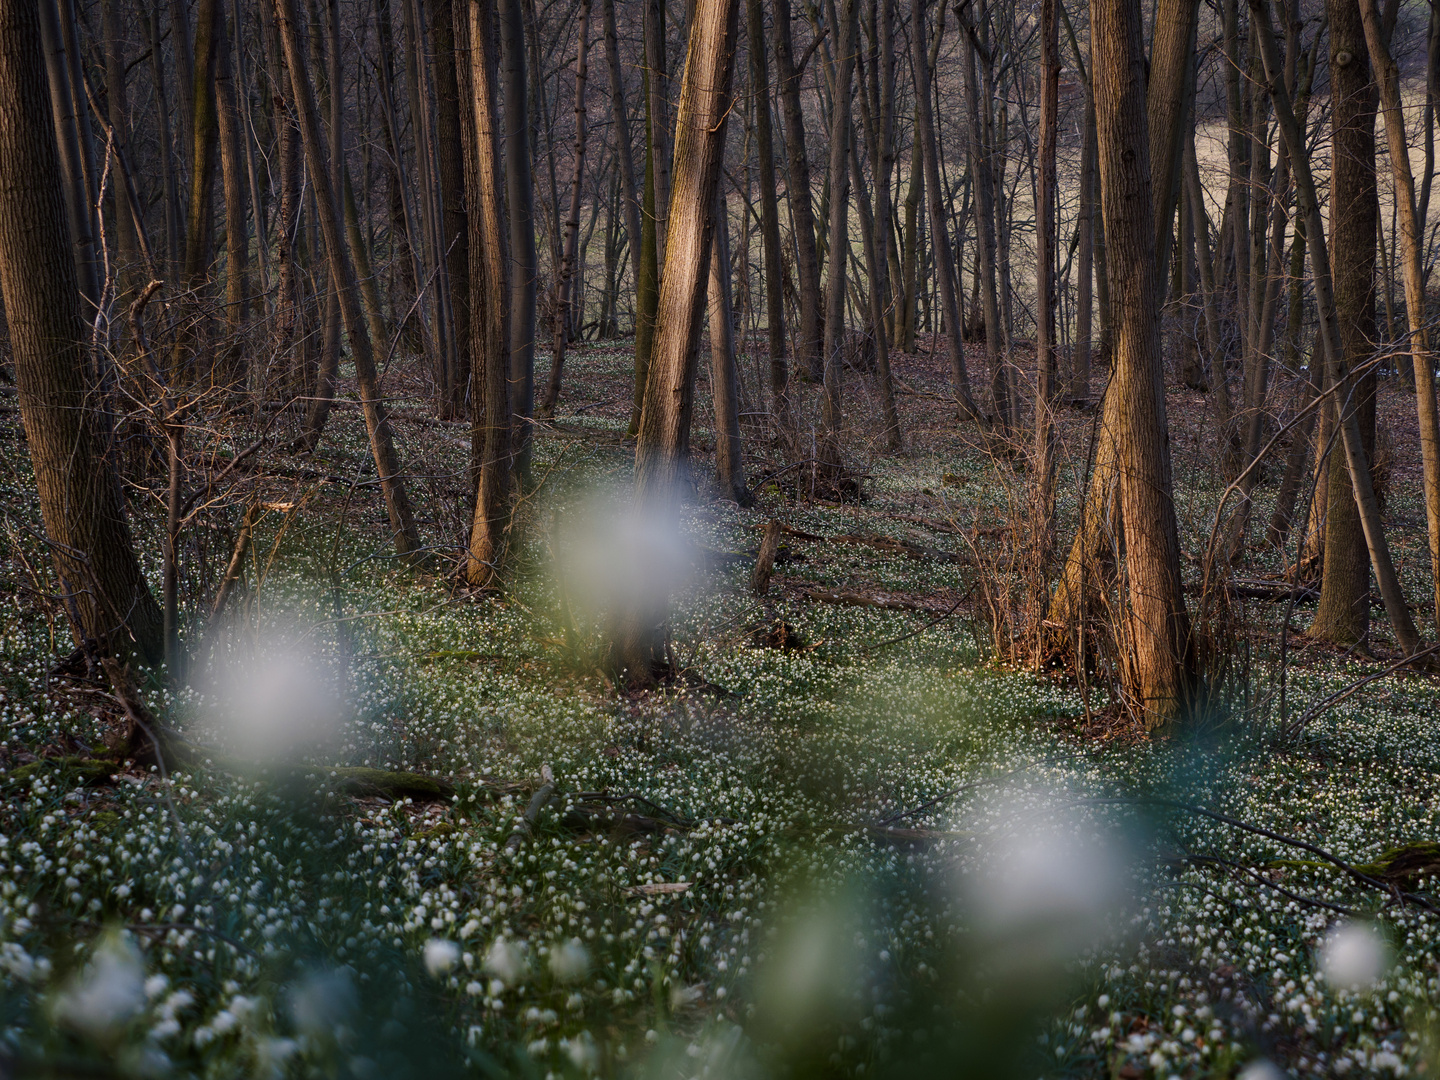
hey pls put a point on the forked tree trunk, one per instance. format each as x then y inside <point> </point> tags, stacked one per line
<point>662,449</point>
<point>489,293</point>
<point>105,595</point>
<point>342,268</point>
<point>1411,244</point>
<point>1158,675</point>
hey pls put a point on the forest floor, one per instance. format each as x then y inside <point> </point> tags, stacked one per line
<point>850,840</point>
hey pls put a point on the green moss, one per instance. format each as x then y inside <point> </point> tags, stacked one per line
<point>85,770</point>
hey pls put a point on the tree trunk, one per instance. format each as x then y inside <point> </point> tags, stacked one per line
<point>237,239</point>
<point>662,449</point>
<point>105,595</point>
<point>1045,298</point>
<point>829,463</point>
<point>520,196</point>
<point>454,225</point>
<point>770,229</point>
<point>489,293</point>
<point>204,140</point>
<point>939,225</point>
<point>631,190</point>
<point>1158,676</point>
<point>797,191</point>
<point>342,268</point>
<point>984,227</point>
<point>1343,613</point>
<point>724,375</point>
<point>572,222</point>
<point>1084,297</point>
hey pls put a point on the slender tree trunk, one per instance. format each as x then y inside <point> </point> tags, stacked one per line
<point>939,226</point>
<point>724,374</point>
<point>1045,295</point>
<point>74,154</point>
<point>839,179</point>
<point>237,237</point>
<point>103,589</point>
<point>911,261</point>
<point>797,191</point>
<point>342,267</point>
<point>770,229</point>
<point>631,190</point>
<point>204,141</point>
<point>520,196</point>
<point>874,270</point>
<point>985,230</point>
<point>572,222</point>
<point>490,267</point>
<point>454,224</point>
<point>658,81</point>
<point>127,245</point>
<point>1084,297</point>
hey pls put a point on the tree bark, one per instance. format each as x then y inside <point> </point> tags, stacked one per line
<point>572,223</point>
<point>724,375</point>
<point>490,266</point>
<point>631,193</point>
<point>830,464</point>
<point>454,223</point>
<point>662,449</point>
<point>104,592</point>
<point>1045,297</point>
<point>1158,676</point>
<point>520,197</point>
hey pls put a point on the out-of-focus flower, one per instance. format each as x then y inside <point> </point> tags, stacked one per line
<point>1352,956</point>
<point>108,993</point>
<point>440,956</point>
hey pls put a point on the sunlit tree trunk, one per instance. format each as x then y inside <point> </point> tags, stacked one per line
<point>520,198</point>
<point>490,266</point>
<point>1158,674</point>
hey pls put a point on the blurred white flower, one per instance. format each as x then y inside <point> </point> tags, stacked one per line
<point>322,1002</point>
<point>1261,1069</point>
<point>279,700</point>
<point>505,961</point>
<point>570,961</point>
<point>1352,956</point>
<point>108,993</point>
<point>440,956</point>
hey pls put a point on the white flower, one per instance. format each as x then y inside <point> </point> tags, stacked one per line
<point>570,961</point>
<point>108,993</point>
<point>440,956</point>
<point>1352,956</point>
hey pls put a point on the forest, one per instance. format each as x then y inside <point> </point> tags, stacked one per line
<point>717,539</point>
